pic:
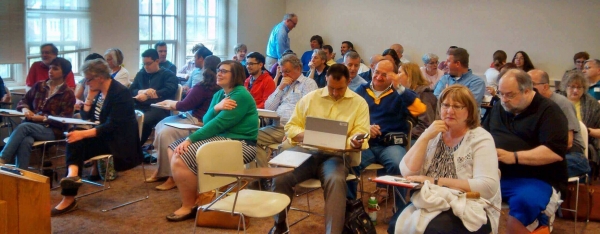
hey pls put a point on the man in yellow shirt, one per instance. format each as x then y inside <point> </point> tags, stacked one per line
<point>336,102</point>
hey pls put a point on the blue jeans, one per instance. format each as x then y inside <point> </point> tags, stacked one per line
<point>388,156</point>
<point>20,142</point>
<point>577,164</point>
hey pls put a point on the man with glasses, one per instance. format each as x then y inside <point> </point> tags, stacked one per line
<point>460,73</point>
<point>260,84</point>
<point>152,84</point>
<point>579,60</point>
<point>531,135</point>
<point>577,163</point>
<point>39,70</point>
<point>279,41</point>
<point>591,70</point>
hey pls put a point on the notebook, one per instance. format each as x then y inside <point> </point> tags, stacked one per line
<point>395,181</point>
<point>267,113</point>
<point>325,133</point>
<point>289,158</point>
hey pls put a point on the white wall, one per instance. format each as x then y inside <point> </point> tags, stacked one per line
<point>551,32</point>
<point>115,23</point>
<point>254,21</point>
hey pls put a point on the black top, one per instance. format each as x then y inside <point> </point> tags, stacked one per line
<point>320,79</point>
<point>541,123</point>
<point>169,66</point>
<point>163,81</point>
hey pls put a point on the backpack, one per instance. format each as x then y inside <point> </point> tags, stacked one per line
<point>357,221</point>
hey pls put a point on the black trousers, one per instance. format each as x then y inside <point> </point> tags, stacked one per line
<point>447,222</point>
<point>78,152</point>
<point>151,117</point>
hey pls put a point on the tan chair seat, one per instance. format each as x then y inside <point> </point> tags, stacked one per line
<point>253,203</point>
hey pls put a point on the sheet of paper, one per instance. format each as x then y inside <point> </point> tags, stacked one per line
<point>70,120</point>
<point>11,112</point>
<point>183,126</point>
<point>160,106</point>
<point>290,158</point>
<point>267,113</point>
<point>396,181</point>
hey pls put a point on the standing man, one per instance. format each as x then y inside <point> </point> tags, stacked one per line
<point>399,50</point>
<point>39,70</point>
<point>316,42</point>
<point>279,41</point>
<point>591,70</point>
<point>260,84</point>
<point>460,73</point>
<point>161,47</point>
<point>352,62</point>
<point>346,46</point>
<point>333,102</point>
<point>152,84</point>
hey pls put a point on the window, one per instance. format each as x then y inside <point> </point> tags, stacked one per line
<point>65,23</point>
<point>10,72</point>
<point>197,21</point>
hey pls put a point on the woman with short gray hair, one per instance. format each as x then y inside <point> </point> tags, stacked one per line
<point>114,58</point>
<point>430,69</point>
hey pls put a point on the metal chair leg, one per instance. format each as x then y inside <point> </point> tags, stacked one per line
<point>137,200</point>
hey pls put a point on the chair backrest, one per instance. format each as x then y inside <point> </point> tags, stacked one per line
<point>584,135</point>
<point>177,97</point>
<point>218,156</point>
<point>409,136</point>
<point>139,116</point>
<point>355,159</point>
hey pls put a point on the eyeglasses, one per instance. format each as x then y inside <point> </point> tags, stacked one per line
<point>88,80</point>
<point>575,87</point>
<point>539,83</point>
<point>433,63</point>
<point>222,71</point>
<point>578,61</point>
<point>148,63</point>
<point>454,107</point>
<point>507,96</point>
<point>251,64</point>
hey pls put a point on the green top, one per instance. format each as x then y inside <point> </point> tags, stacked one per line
<point>241,123</point>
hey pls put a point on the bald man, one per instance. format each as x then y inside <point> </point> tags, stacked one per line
<point>399,50</point>
<point>368,75</point>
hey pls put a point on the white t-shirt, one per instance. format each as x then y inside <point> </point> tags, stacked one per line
<point>491,77</point>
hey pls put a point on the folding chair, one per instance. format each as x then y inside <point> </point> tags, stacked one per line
<point>229,168</point>
<point>576,179</point>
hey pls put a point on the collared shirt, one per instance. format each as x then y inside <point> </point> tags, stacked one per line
<point>284,101</point>
<point>351,108</point>
<point>278,41</point>
<point>39,72</point>
<point>475,83</point>
<point>355,82</point>
<point>331,62</point>
<point>594,90</point>
<point>260,88</point>
<point>195,77</point>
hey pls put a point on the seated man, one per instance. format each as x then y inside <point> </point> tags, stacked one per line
<point>333,102</point>
<point>39,70</point>
<point>530,133</point>
<point>390,106</point>
<point>318,67</point>
<point>460,73</point>
<point>293,87</point>
<point>352,62</point>
<point>161,48</point>
<point>260,84</point>
<point>579,60</point>
<point>196,75</point>
<point>577,163</point>
<point>316,42</point>
<point>330,55</point>
<point>344,48</point>
<point>399,51</point>
<point>591,70</point>
<point>152,84</point>
<point>190,65</point>
<point>368,75</point>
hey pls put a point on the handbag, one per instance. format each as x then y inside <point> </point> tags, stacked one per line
<point>587,199</point>
<point>395,138</point>
<point>218,219</point>
<point>357,221</point>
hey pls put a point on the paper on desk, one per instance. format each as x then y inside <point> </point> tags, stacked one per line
<point>396,181</point>
<point>183,126</point>
<point>10,112</point>
<point>267,113</point>
<point>290,158</point>
<point>160,106</point>
<point>70,120</point>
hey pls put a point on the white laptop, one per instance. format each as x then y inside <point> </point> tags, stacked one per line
<point>325,133</point>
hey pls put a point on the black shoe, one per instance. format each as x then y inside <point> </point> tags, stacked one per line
<point>278,229</point>
<point>72,207</point>
<point>71,182</point>
<point>176,218</point>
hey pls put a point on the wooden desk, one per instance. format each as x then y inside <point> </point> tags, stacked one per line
<point>27,202</point>
<point>256,173</point>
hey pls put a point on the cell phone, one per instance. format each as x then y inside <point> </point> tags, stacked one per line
<point>360,137</point>
<point>11,170</point>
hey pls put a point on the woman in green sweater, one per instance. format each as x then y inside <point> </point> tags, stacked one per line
<point>232,115</point>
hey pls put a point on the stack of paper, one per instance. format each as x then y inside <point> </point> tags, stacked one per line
<point>267,113</point>
<point>70,120</point>
<point>290,159</point>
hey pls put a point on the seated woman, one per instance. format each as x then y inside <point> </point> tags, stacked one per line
<point>588,112</point>
<point>232,115</point>
<point>81,89</point>
<point>50,97</point>
<point>196,102</point>
<point>522,61</point>
<point>114,58</point>
<point>454,152</point>
<point>430,69</point>
<point>109,103</point>
<point>413,79</point>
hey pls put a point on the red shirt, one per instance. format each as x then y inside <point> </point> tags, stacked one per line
<point>39,72</point>
<point>262,87</point>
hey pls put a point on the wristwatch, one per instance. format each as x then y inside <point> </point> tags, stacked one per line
<point>435,180</point>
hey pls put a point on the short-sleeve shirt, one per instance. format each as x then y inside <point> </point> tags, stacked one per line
<point>573,123</point>
<point>594,90</point>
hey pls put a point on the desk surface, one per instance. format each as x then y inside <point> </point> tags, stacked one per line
<point>262,173</point>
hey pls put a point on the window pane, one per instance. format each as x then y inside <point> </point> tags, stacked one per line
<point>190,29</point>
<point>5,71</point>
<point>157,7</point>
<point>70,4</point>
<point>157,28</point>
<point>34,50</point>
<point>212,28</point>
<point>190,7</point>
<point>144,7</point>
<point>53,29</point>
<point>169,7</point>
<point>33,4</point>
<point>170,28</point>
<point>144,28</point>
<point>34,30</point>
<point>201,28</point>
<point>212,7</point>
<point>67,48</point>
<point>201,7</point>
<point>52,4</point>
<point>71,30</point>
<point>170,52</point>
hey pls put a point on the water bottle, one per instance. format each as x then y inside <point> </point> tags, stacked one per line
<point>372,210</point>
